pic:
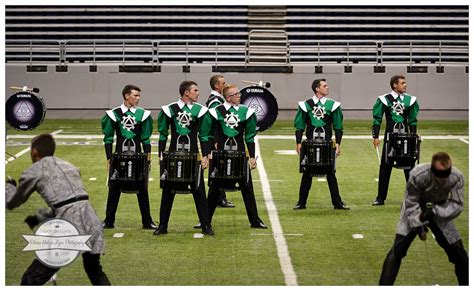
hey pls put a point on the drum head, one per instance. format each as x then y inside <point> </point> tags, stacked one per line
<point>25,110</point>
<point>264,104</point>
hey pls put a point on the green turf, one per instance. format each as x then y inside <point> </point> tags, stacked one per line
<point>319,238</point>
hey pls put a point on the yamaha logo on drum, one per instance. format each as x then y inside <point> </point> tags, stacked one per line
<point>129,170</point>
<point>229,167</point>
<point>25,110</point>
<point>179,169</point>
<point>255,90</point>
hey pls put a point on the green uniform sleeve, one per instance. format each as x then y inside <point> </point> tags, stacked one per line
<point>413,113</point>
<point>147,130</point>
<point>205,127</point>
<point>299,122</point>
<point>108,129</point>
<point>163,126</point>
<point>250,129</point>
<point>377,112</point>
<point>337,118</point>
<point>205,131</point>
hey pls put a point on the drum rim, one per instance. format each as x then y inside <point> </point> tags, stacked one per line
<point>266,124</point>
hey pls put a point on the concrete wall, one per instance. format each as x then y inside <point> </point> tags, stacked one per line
<point>441,96</point>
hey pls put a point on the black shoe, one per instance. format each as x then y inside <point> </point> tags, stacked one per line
<point>150,225</point>
<point>259,225</point>
<point>299,206</point>
<point>378,202</point>
<point>225,204</point>
<point>198,226</point>
<point>107,225</point>
<point>160,230</point>
<point>342,206</point>
<point>207,230</point>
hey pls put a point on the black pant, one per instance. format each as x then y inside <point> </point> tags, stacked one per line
<point>199,196</point>
<point>222,196</point>
<point>305,186</point>
<point>247,194</point>
<point>113,201</point>
<point>39,274</point>
<point>456,254</point>
<point>385,171</point>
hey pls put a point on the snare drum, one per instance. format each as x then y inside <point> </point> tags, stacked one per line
<point>228,167</point>
<point>129,168</point>
<point>402,150</point>
<point>179,166</point>
<point>317,157</point>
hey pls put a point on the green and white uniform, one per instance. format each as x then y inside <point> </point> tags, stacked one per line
<point>135,123</point>
<point>320,113</point>
<point>397,108</point>
<point>184,119</point>
<point>235,121</point>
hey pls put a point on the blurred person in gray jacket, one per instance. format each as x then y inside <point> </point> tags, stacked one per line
<point>434,197</point>
<point>59,184</point>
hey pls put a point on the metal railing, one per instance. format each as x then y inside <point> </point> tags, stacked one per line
<point>233,52</point>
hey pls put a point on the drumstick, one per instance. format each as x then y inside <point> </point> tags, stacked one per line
<point>250,82</point>
<point>378,154</point>
<point>108,173</point>
<point>199,176</point>
<point>25,88</point>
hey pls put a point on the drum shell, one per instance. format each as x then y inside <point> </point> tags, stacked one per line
<point>130,170</point>
<point>25,110</point>
<point>227,165</point>
<point>264,104</point>
<point>317,157</point>
<point>402,150</point>
<point>181,166</point>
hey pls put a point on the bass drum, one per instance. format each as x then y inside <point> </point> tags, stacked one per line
<point>264,104</point>
<point>25,110</point>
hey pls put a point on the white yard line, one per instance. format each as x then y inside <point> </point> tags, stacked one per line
<point>282,247</point>
<point>24,151</point>
<point>464,140</point>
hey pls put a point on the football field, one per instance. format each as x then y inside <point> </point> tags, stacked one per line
<point>316,246</point>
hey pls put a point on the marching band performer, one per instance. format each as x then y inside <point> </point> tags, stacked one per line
<point>217,83</point>
<point>232,120</point>
<point>186,118</point>
<point>323,114</point>
<point>59,184</point>
<point>434,197</point>
<point>130,123</point>
<point>399,108</point>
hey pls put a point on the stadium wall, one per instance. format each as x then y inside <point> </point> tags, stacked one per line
<point>79,93</point>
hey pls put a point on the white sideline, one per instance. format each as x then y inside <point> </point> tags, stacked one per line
<point>282,247</point>
<point>24,151</point>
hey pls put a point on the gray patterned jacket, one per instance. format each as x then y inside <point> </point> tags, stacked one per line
<point>57,181</point>
<point>448,201</point>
